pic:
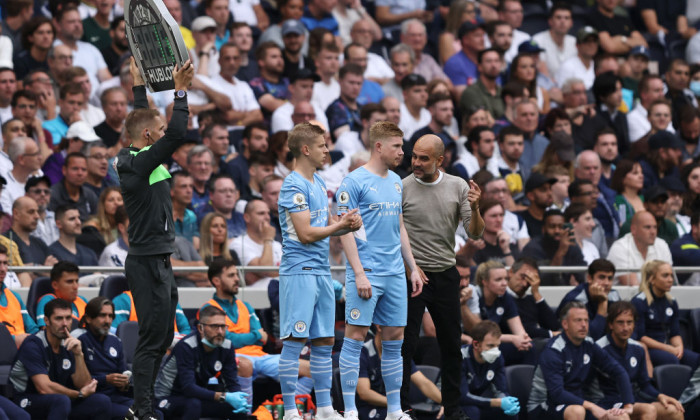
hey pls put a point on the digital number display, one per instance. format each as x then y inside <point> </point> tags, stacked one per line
<point>155,46</point>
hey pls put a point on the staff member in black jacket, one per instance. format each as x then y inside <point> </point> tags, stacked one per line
<point>146,190</point>
<point>539,320</point>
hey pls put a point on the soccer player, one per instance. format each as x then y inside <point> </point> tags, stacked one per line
<point>307,299</point>
<point>376,279</point>
<point>146,191</point>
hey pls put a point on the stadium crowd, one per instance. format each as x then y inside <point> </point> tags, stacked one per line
<point>577,120</point>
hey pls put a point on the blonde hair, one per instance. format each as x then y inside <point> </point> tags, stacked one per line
<point>104,222</point>
<point>303,134</point>
<point>649,270</point>
<point>382,130</point>
<point>206,244</point>
<point>139,119</point>
<point>484,271</point>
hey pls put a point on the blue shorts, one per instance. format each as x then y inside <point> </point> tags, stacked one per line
<point>387,306</point>
<point>268,365</point>
<point>307,306</point>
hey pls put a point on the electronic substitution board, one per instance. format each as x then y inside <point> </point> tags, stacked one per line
<point>155,41</point>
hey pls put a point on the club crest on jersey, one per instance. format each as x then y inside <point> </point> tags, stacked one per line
<point>299,199</point>
<point>633,361</point>
<point>113,352</point>
<point>489,375</point>
<point>500,310</point>
<point>355,313</point>
<point>586,359</point>
<point>300,326</point>
<point>398,187</point>
<point>218,366</point>
<point>24,402</point>
<point>344,197</point>
<point>669,312</point>
<point>66,364</point>
<point>163,403</point>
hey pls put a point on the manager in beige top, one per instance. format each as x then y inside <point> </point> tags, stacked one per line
<point>433,204</point>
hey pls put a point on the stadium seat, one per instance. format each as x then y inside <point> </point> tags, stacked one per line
<point>672,379</point>
<point>337,391</point>
<point>40,286</point>
<point>128,332</point>
<point>695,327</point>
<point>419,402</point>
<point>113,286</point>
<point>8,350</point>
<point>519,378</point>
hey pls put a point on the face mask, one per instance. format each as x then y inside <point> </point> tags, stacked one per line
<point>491,355</point>
<point>695,87</point>
<point>208,343</point>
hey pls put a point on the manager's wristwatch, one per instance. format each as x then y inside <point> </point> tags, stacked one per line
<point>179,94</point>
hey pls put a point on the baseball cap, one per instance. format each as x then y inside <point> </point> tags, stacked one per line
<point>655,192</point>
<point>563,143</point>
<point>585,32</point>
<point>292,26</point>
<point>203,22</point>
<point>304,74</point>
<point>413,80</point>
<point>537,180</point>
<point>529,47</point>
<point>672,183</point>
<point>468,26</point>
<point>664,139</point>
<point>640,50</point>
<point>83,131</point>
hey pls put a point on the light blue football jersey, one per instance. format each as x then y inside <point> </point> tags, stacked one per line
<point>298,194</point>
<point>379,239</point>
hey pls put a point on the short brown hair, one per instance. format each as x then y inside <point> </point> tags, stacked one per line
<point>72,72</point>
<point>382,130</point>
<point>302,134</point>
<point>138,119</point>
<point>70,89</point>
<point>484,328</point>
<point>261,51</point>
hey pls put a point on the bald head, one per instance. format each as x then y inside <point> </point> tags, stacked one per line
<point>25,215</point>
<point>431,144</point>
<point>23,202</point>
<point>642,217</point>
<point>643,228</point>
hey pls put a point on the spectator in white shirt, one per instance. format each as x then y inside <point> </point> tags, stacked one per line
<point>378,69</point>
<point>90,113</point>
<point>351,142</point>
<point>347,13</point>
<point>651,88</point>
<point>327,64</point>
<point>114,254</point>
<point>301,88</point>
<point>511,11</point>
<point>403,61</point>
<point>637,247</point>
<point>204,55</point>
<point>26,159</point>
<point>414,115</point>
<point>39,188</point>
<point>581,65</point>
<point>558,45</point>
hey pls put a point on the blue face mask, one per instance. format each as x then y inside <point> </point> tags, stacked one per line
<point>210,344</point>
<point>695,87</point>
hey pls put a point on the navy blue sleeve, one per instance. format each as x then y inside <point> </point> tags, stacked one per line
<point>466,397</point>
<point>499,379</point>
<point>639,325</point>
<point>509,306</point>
<point>643,379</point>
<point>553,370</point>
<point>674,326</point>
<point>597,326</point>
<point>230,371</point>
<point>605,363</point>
<point>186,358</point>
<point>31,354</point>
<point>546,317</point>
<point>364,363</point>
<point>273,293</point>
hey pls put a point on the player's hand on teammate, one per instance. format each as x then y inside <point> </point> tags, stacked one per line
<point>182,76</point>
<point>364,288</point>
<point>474,195</point>
<point>135,73</point>
<point>351,220</point>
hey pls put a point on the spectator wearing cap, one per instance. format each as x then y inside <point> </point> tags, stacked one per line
<point>205,56</point>
<point>637,247</point>
<point>270,88</point>
<point>686,252</point>
<point>39,189</point>
<point>538,190</point>
<point>607,90</point>
<point>414,115</point>
<point>461,68</point>
<point>555,245</point>
<point>636,66</point>
<point>402,60</point>
<point>678,83</point>
<point>676,191</point>
<point>655,202</point>
<point>617,34</point>
<point>371,91</point>
<point>663,159</point>
<point>556,42</point>
<point>301,88</point>
<point>72,190</point>
<point>293,37</point>
<point>344,113</point>
<point>26,160</point>
<point>414,34</point>
<point>481,145</point>
<point>351,142</point>
<point>651,89</point>
<point>581,65</point>
<point>319,14</point>
<point>486,91</point>
<point>511,11</point>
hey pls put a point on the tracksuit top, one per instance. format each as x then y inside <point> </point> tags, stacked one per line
<point>102,357</point>
<point>479,378</point>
